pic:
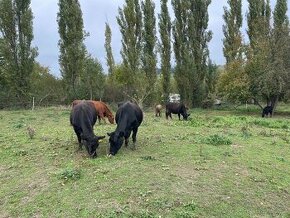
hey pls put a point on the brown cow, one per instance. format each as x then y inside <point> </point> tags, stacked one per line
<point>102,110</point>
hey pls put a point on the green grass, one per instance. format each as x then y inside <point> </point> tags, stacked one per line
<point>218,164</point>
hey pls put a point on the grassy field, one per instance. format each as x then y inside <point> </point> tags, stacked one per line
<point>218,164</point>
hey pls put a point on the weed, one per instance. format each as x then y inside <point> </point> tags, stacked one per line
<point>148,158</point>
<point>282,159</point>
<point>21,153</point>
<point>69,174</point>
<point>187,211</point>
<point>217,140</point>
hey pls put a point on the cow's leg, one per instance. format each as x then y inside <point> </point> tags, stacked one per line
<point>78,132</point>
<point>179,116</point>
<point>127,136</point>
<point>135,130</point>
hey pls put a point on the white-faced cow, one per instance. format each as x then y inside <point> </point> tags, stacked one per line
<point>176,108</point>
<point>128,117</point>
<point>83,118</point>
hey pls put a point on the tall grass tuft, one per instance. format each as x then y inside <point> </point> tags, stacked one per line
<point>217,140</point>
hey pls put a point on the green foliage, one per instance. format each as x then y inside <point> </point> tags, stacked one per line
<point>108,47</point>
<point>164,48</point>
<point>269,46</point>
<point>93,80</point>
<point>69,174</point>
<point>232,31</point>
<point>149,40</point>
<point>233,82</point>
<point>130,23</point>
<point>16,50</point>
<point>217,139</point>
<point>46,88</point>
<point>149,59</point>
<point>258,20</point>
<point>190,45</point>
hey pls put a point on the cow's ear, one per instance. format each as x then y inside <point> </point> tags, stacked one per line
<point>121,134</point>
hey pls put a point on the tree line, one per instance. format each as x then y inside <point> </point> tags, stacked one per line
<point>161,54</point>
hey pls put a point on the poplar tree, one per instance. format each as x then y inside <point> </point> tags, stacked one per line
<point>182,71</point>
<point>259,49</point>
<point>108,47</point>
<point>71,44</point>
<point>130,23</point>
<point>165,48</point>
<point>190,45</point>
<point>232,31</point>
<point>278,81</point>
<point>149,44</point>
<point>233,82</point>
<point>258,16</point>
<point>199,37</point>
<point>18,54</point>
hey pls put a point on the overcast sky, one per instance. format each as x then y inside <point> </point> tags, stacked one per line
<point>95,14</point>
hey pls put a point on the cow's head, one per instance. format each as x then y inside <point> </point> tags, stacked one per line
<point>92,145</point>
<point>116,140</point>
<point>185,115</point>
<point>111,118</point>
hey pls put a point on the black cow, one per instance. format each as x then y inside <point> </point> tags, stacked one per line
<point>176,108</point>
<point>83,118</point>
<point>268,110</point>
<point>128,117</point>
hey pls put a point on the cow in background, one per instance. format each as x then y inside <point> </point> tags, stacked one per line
<point>129,116</point>
<point>158,109</point>
<point>102,110</point>
<point>268,110</point>
<point>83,118</point>
<point>176,108</point>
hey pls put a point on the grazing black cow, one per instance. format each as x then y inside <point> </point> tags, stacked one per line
<point>128,117</point>
<point>268,110</point>
<point>83,117</point>
<point>176,108</point>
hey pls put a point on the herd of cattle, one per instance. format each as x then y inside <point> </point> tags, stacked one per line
<point>128,118</point>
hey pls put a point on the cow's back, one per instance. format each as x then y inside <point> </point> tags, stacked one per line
<point>130,110</point>
<point>83,114</point>
<point>173,107</point>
